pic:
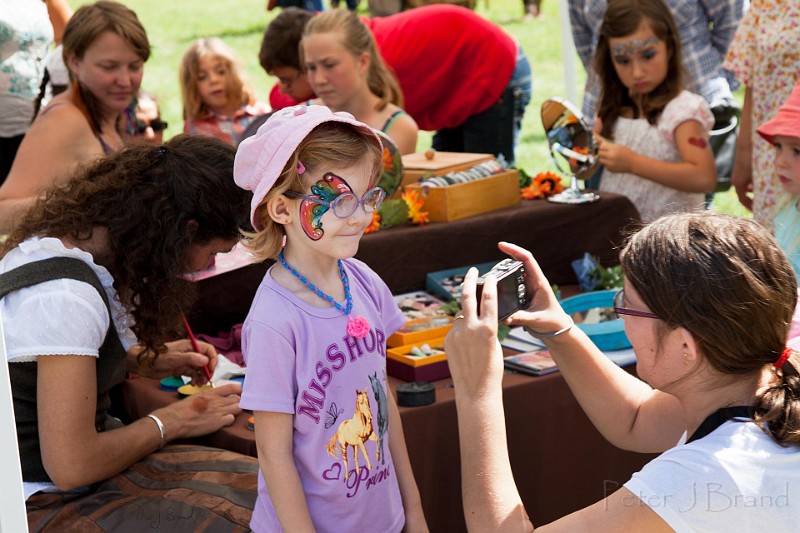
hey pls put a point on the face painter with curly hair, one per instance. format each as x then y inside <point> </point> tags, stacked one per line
<point>91,289</point>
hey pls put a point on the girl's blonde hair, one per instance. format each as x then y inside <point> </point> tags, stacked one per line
<point>237,88</point>
<point>357,39</point>
<point>329,145</point>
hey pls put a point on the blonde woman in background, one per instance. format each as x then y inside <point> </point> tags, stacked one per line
<point>347,73</point>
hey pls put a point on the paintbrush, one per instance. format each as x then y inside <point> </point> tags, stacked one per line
<point>196,348</point>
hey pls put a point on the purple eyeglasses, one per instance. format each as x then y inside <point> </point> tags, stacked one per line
<point>619,310</point>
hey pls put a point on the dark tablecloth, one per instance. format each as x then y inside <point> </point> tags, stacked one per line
<point>556,234</point>
<point>560,462</point>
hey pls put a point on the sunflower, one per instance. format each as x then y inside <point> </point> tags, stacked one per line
<point>544,184</point>
<point>415,204</point>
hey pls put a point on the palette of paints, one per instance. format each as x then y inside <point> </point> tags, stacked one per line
<point>184,389</point>
<point>172,383</point>
<point>189,390</point>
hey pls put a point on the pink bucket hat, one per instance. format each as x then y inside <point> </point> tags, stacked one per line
<point>261,158</point>
<point>786,122</point>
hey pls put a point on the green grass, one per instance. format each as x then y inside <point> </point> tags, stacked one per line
<point>172,26</point>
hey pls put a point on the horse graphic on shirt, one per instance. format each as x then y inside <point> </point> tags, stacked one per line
<point>354,432</point>
<point>382,424</point>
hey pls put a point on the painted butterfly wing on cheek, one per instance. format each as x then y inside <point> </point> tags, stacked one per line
<point>311,216</point>
<point>327,189</point>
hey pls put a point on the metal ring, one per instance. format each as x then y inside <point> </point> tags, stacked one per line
<point>458,317</point>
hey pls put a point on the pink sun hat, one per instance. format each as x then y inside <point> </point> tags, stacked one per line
<point>786,122</point>
<point>261,158</point>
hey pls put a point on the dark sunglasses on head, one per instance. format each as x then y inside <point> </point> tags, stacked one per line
<point>157,124</point>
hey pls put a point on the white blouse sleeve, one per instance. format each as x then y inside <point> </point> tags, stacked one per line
<point>61,317</point>
<point>686,106</point>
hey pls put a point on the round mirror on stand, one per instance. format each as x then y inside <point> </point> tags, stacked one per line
<point>392,166</point>
<point>571,138</point>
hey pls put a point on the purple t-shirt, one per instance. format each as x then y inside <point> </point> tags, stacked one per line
<point>300,360</point>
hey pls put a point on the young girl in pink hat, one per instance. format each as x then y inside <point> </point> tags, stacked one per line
<point>331,450</point>
<point>783,132</point>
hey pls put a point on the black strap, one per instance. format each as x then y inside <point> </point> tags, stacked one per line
<point>718,418</point>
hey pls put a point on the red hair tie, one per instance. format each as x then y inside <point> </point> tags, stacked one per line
<point>783,358</point>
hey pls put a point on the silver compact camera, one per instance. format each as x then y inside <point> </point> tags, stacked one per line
<point>511,290</point>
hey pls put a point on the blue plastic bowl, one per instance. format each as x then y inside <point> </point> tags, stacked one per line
<point>608,335</point>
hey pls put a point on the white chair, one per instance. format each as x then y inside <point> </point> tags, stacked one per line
<point>12,500</point>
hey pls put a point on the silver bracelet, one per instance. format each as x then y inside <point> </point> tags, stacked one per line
<point>555,333</point>
<point>161,429</point>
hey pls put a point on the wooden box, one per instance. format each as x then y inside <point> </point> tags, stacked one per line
<point>409,368</point>
<point>416,166</point>
<point>420,330</point>
<point>471,198</point>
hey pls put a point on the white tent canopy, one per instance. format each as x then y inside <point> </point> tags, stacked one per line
<point>568,54</point>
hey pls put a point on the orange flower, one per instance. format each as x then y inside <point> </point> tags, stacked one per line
<point>375,225</point>
<point>420,218</point>
<point>415,203</point>
<point>543,184</point>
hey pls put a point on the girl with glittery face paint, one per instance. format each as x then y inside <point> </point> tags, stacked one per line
<point>652,135</point>
<point>327,427</point>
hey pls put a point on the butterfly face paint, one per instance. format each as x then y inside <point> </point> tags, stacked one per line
<point>327,189</point>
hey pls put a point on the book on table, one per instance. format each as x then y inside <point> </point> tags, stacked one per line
<point>535,360</point>
<point>535,363</point>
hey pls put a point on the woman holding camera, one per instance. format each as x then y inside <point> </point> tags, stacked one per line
<point>707,303</point>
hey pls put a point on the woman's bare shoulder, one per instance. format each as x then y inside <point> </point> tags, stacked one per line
<point>403,130</point>
<point>57,141</point>
<point>61,114</point>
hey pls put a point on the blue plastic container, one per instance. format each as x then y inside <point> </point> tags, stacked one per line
<point>608,335</point>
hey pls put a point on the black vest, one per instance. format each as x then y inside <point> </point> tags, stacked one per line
<point>110,364</point>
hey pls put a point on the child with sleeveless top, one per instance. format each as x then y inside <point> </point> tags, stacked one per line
<point>347,73</point>
<point>330,443</point>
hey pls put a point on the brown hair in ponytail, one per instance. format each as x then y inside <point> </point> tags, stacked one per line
<point>726,281</point>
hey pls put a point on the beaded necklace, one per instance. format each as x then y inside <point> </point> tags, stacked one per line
<point>356,326</point>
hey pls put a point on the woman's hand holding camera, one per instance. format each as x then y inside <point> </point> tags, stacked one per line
<point>473,351</point>
<point>544,314</point>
